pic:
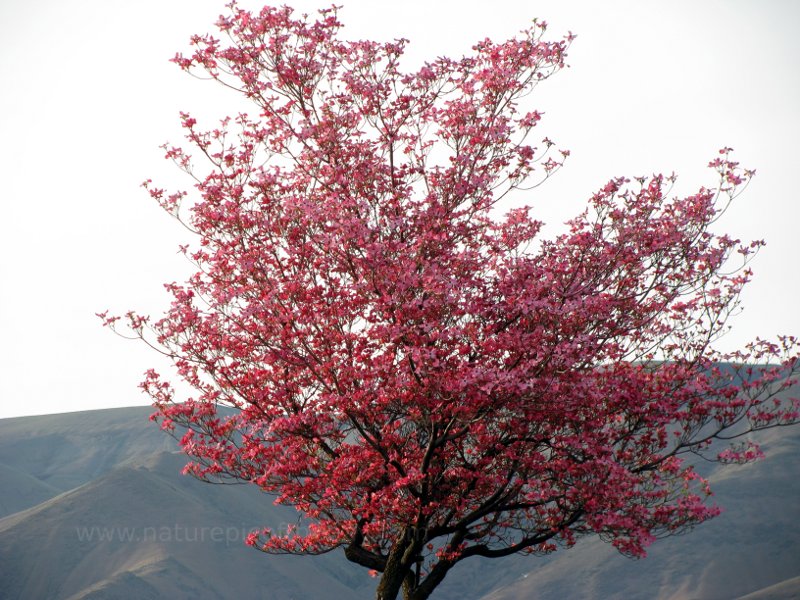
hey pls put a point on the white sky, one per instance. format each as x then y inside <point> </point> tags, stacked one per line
<point>87,95</point>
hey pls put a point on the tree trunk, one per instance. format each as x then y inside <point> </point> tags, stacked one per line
<point>397,573</point>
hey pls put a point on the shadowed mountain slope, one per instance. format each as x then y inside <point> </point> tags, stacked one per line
<point>21,490</point>
<point>66,450</point>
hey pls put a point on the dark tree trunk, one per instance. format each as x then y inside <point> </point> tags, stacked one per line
<point>397,574</point>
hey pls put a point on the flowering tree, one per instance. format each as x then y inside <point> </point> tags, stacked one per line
<point>410,366</point>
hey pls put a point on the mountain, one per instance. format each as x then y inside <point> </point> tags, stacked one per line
<point>132,526</point>
<point>141,530</point>
<point>753,545</point>
<point>95,508</point>
<point>63,451</point>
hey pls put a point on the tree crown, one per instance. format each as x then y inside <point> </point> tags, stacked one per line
<point>410,366</point>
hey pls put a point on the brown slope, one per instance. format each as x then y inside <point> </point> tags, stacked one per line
<point>785,590</point>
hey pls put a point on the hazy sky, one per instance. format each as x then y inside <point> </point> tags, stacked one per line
<point>87,95</point>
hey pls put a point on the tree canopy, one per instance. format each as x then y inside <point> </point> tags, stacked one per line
<point>409,363</point>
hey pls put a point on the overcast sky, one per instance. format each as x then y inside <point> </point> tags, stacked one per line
<point>87,95</point>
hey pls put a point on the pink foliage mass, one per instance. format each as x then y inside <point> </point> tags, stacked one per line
<point>410,366</point>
